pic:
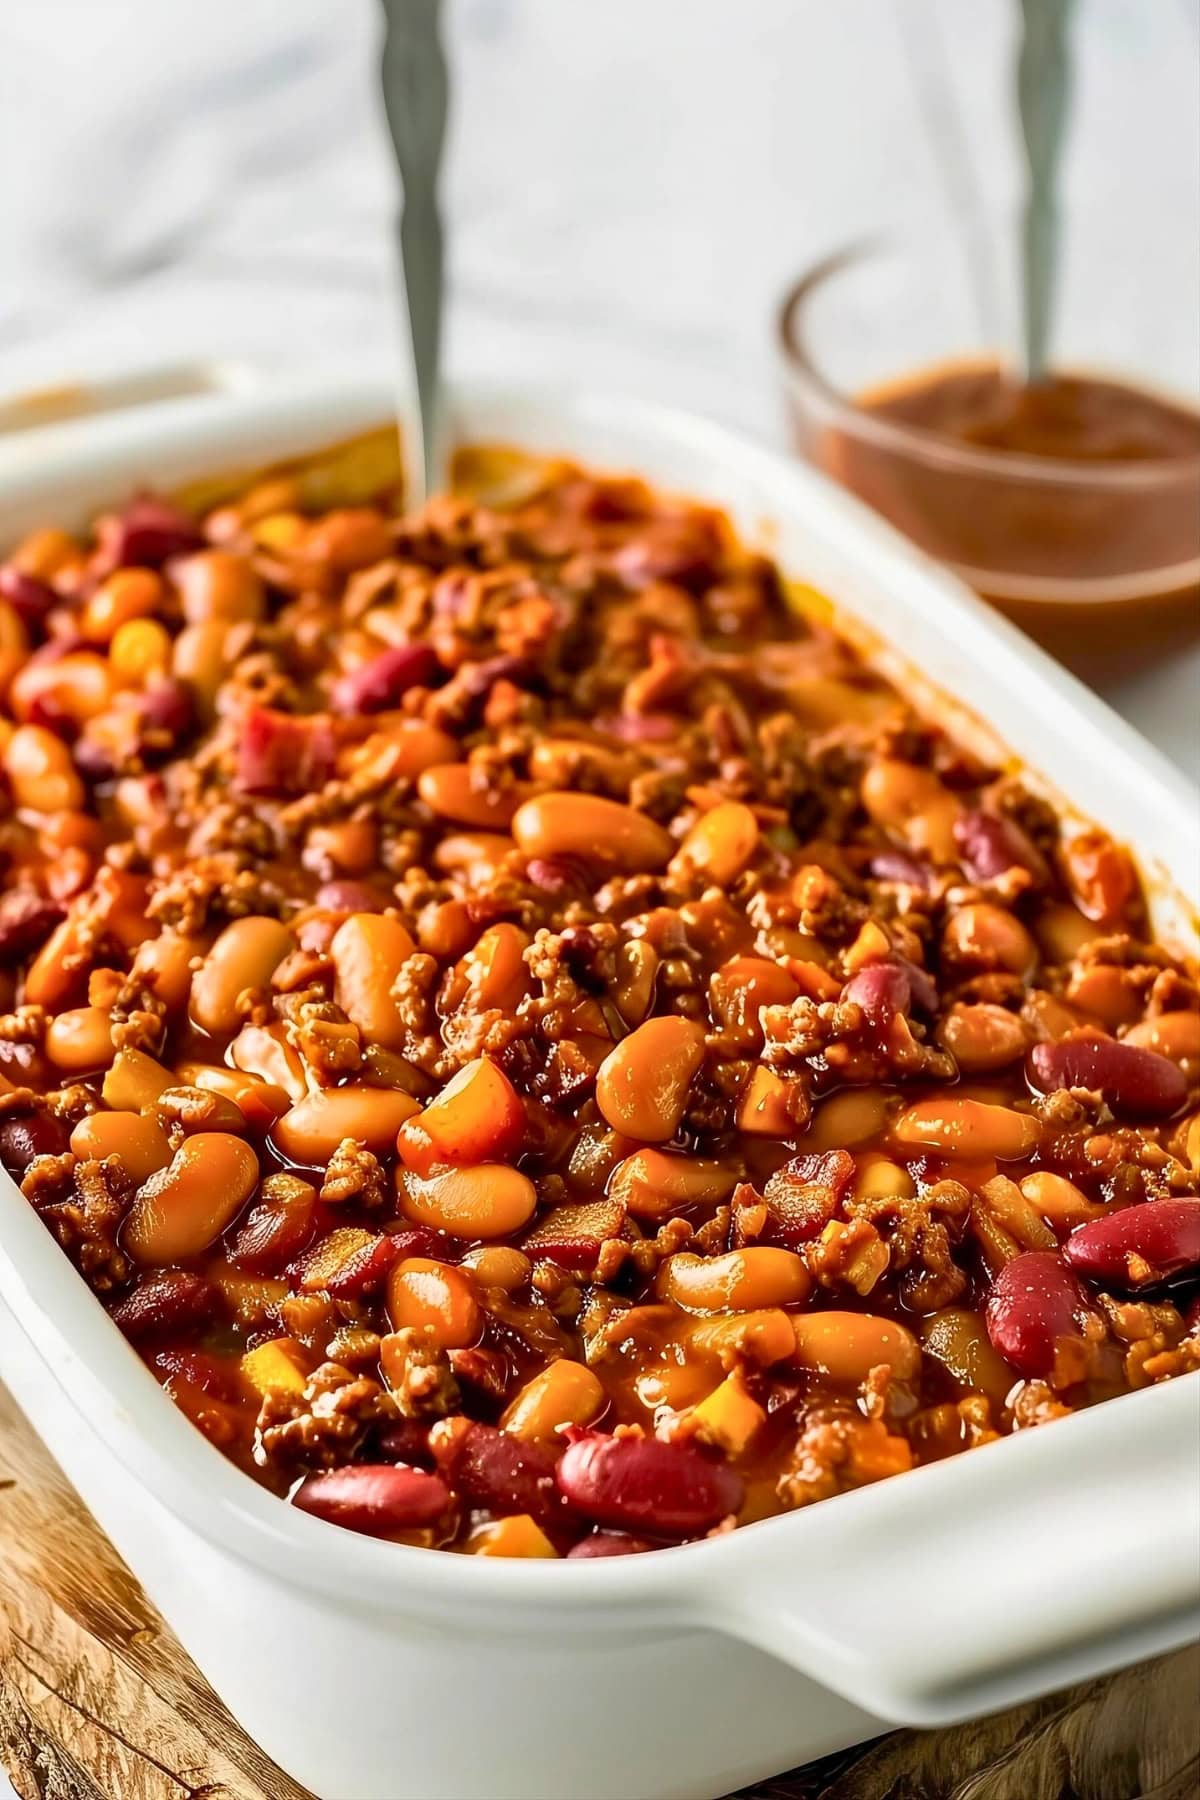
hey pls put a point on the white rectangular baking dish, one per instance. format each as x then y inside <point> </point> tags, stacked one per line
<point>375,1672</point>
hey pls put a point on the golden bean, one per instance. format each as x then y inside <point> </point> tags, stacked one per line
<point>1062,931</point>
<point>741,987</point>
<point>311,1131</point>
<point>902,797</point>
<point>135,1081</point>
<point>405,750</point>
<point>642,1084</point>
<point>852,1117</point>
<point>80,1040</point>
<point>757,1338</point>
<point>14,644</point>
<point>955,1338</point>
<point>368,952</point>
<point>40,771</point>
<point>633,990</point>
<point>493,974</point>
<point>425,1295</point>
<point>653,1184</point>
<point>1175,1035</point>
<point>452,790</point>
<point>140,649</point>
<point>185,1207</point>
<point>78,684</point>
<point>264,1050</point>
<point>969,1128</point>
<point>592,828</point>
<point>983,938</point>
<point>753,1280</point>
<point>193,1108</point>
<point>489,1201</point>
<point>348,538</point>
<point>982,1037</point>
<point>164,964</point>
<point>517,1535</point>
<point>876,1177</point>
<point>46,552</point>
<point>218,585</point>
<point>475,854</point>
<point>1058,1200</point>
<point>1106,993</point>
<point>244,958</point>
<point>202,655</point>
<point>139,1141</point>
<point>498,1266</point>
<point>763,1105</point>
<point>845,1346</point>
<point>719,844</point>
<point>124,595</point>
<point>565,1393</point>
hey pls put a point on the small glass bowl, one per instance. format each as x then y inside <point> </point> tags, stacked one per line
<point>1043,538</point>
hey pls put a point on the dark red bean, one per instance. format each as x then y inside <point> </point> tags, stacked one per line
<point>166,713</point>
<point>274,1232</point>
<point>350,896</point>
<point>642,1485</point>
<point>894,865</point>
<point>380,683</point>
<point>422,1240</point>
<point>26,921</point>
<point>992,845</point>
<point>492,1470</point>
<point>378,1498</point>
<point>554,874</point>
<point>921,985</point>
<point>198,1368</point>
<point>24,1138</point>
<point>606,1543</point>
<point>406,1441</point>
<point>882,990</point>
<point>1132,1080</point>
<point>1138,1246</point>
<point>1035,1301</point>
<point>663,554</point>
<point>147,534</point>
<point>167,1300</point>
<point>279,754</point>
<point>804,1195</point>
<point>29,598</point>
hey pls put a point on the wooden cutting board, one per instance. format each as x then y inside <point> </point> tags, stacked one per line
<point>99,1702</point>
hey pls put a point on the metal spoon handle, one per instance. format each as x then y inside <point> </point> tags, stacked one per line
<point>413,70</point>
<point>1043,94</point>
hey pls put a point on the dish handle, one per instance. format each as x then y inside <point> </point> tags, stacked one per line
<point>965,1587</point>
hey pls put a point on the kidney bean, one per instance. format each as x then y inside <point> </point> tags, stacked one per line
<point>894,865</point>
<point>26,921</point>
<point>167,1300</point>
<point>29,598</point>
<point>376,1498</point>
<point>921,984</point>
<point>1035,1300</point>
<point>165,715</point>
<point>992,845</point>
<point>640,1484</point>
<point>882,989</point>
<point>406,1441</point>
<point>198,1369</point>
<point>279,755</point>
<point>803,1195</point>
<point>491,1469</point>
<point>379,684</point>
<point>1130,1079</point>
<point>1138,1246</point>
<point>147,533</point>
<point>607,1543</point>
<point>24,1138</point>
<point>275,1231</point>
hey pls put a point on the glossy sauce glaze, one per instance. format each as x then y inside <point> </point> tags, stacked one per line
<point>540,1048</point>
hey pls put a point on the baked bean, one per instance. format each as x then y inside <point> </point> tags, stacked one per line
<point>477,855</point>
<point>46,552</point>
<point>846,1346</point>
<point>1034,1303</point>
<point>565,1393</point>
<point>493,974</point>
<point>982,938</point>
<point>244,958</point>
<point>855,1116</point>
<point>1139,1246</point>
<point>653,1184</point>
<point>80,1040</point>
<point>216,585</point>
<point>406,749</point>
<point>718,846</point>
<point>498,1266</point>
<point>1175,1035</point>
<point>164,963</point>
<point>14,642</point>
<point>348,538</point>
<point>125,595</point>
<point>1101,877</point>
<point>741,987</point>
<point>970,1128</point>
<point>191,1109</point>
<point>982,1037</point>
<point>488,1201</point>
<point>380,1499</point>
<point>476,1118</point>
<point>368,952</point>
<point>140,651</point>
<point>764,1109</point>
<point>1132,1080</point>
<point>1062,931</point>
<point>640,1484</point>
<point>758,1338</point>
<point>519,1536</point>
<point>139,1141</point>
<point>642,1084</point>
<point>902,797</point>
<point>752,1280</point>
<point>454,790</point>
<point>40,771</point>
<point>264,1050</point>
<point>955,1338</point>
<point>202,655</point>
<point>876,1177</point>
<point>134,1081</point>
<point>310,1132</point>
<point>1106,993</point>
<point>591,828</point>
<point>434,1297</point>
<point>260,1103</point>
<point>78,686</point>
<point>1058,1200</point>
<point>185,1207</point>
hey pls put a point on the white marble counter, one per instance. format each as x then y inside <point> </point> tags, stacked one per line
<point>630,184</point>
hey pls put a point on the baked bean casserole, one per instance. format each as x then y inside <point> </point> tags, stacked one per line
<point>541,1049</point>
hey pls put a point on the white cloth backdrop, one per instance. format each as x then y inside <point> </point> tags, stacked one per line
<point>630,183</point>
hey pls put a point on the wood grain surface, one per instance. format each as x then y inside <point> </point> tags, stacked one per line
<point>99,1702</point>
